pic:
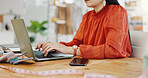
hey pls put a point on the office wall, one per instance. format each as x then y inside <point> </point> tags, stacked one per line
<point>24,9</point>
<point>35,10</point>
<point>145,15</point>
<point>122,2</point>
<point>16,5</point>
<point>27,9</point>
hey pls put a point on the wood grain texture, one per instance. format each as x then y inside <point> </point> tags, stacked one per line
<point>1,19</point>
<point>122,68</point>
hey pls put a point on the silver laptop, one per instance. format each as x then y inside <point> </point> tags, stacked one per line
<point>25,45</point>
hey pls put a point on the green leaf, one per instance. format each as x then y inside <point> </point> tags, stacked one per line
<point>42,28</point>
<point>34,26</point>
<point>37,27</point>
<point>35,23</point>
<point>29,29</point>
<point>44,22</point>
<point>32,39</point>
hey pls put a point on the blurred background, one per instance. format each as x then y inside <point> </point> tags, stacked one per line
<point>58,20</point>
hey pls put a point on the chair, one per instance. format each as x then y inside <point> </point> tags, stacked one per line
<point>139,41</point>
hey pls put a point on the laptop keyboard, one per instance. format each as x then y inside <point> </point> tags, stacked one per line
<point>51,54</point>
<point>39,54</point>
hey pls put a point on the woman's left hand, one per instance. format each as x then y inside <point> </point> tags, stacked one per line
<point>49,46</point>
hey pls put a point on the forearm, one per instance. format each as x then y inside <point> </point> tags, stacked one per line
<point>102,51</point>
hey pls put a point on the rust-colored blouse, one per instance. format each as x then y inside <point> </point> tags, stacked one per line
<point>103,34</point>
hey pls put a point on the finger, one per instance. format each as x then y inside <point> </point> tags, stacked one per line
<point>46,49</point>
<point>38,45</point>
<point>43,48</point>
<point>50,49</point>
<point>45,43</point>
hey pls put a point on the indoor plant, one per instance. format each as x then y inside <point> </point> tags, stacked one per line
<point>35,28</point>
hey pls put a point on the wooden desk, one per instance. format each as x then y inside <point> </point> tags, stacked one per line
<point>122,68</point>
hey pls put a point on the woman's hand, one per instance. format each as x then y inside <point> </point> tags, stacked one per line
<point>39,45</point>
<point>49,46</point>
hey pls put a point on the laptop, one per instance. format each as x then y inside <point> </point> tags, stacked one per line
<point>25,45</point>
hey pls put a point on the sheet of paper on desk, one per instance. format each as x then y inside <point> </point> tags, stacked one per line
<point>14,49</point>
<point>18,49</point>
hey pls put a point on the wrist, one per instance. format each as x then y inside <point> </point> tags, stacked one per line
<point>75,47</point>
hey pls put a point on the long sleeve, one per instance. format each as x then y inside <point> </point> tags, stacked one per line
<point>78,38</point>
<point>103,34</point>
<point>117,42</point>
